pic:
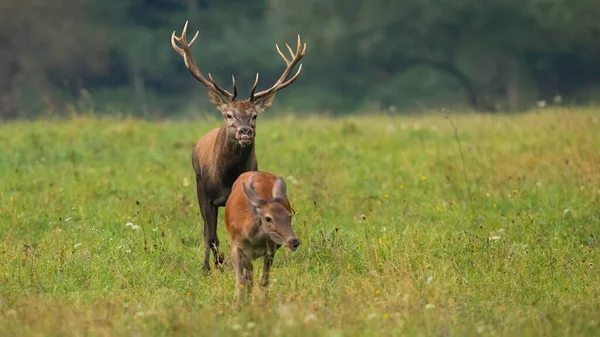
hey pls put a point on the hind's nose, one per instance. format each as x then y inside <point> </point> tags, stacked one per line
<point>293,244</point>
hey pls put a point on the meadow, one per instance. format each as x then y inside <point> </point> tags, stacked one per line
<point>476,225</point>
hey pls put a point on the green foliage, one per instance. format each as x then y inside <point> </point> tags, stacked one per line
<point>404,233</point>
<point>500,55</point>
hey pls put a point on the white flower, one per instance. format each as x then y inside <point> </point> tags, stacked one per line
<point>134,227</point>
<point>68,219</point>
<point>429,279</point>
<point>77,245</point>
<point>430,306</point>
<point>494,238</point>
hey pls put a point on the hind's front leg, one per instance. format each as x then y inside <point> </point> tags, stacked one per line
<point>238,267</point>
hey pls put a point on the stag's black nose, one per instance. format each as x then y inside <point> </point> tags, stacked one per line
<point>245,130</point>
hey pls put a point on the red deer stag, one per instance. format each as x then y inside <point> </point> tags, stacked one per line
<point>259,220</point>
<point>224,153</point>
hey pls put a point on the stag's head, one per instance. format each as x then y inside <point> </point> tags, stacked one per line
<point>240,115</point>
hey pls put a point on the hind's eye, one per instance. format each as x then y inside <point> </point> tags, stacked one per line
<point>228,116</point>
<point>268,219</point>
<point>254,117</point>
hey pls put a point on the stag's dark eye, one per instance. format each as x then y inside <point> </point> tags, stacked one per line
<point>254,117</point>
<point>229,116</point>
<point>268,219</point>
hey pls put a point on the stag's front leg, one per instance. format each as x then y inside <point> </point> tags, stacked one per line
<point>211,240</point>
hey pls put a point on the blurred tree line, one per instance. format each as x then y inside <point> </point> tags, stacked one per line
<point>115,55</point>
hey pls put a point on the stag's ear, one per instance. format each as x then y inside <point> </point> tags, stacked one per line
<point>254,198</point>
<point>279,188</point>
<point>264,103</point>
<point>216,99</point>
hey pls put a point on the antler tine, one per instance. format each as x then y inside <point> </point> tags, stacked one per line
<point>221,90</point>
<point>281,54</point>
<point>253,88</point>
<point>186,52</point>
<point>282,82</point>
<point>234,87</point>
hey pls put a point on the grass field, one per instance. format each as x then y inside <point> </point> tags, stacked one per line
<point>405,229</point>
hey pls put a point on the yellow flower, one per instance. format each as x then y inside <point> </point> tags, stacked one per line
<point>386,316</point>
<point>423,178</point>
<point>515,192</point>
<point>401,186</point>
<point>386,195</point>
<point>188,293</point>
<point>377,292</point>
<point>494,205</point>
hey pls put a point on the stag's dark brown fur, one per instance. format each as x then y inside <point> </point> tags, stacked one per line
<point>224,153</point>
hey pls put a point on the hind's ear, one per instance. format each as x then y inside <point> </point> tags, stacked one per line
<point>254,198</point>
<point>279,188</point>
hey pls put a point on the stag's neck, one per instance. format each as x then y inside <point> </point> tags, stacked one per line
<point>231,153</point>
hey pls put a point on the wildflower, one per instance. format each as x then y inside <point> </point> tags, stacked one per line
<point>429,279</point>
<point>423,178</point>
<point>133,227</point>
<point>430,306</point>
<point>401,186</point>
<point>386,195</point>
<point>516,191</point>
<point>386,316</point>
<point>68,219</point>
<point>377,292</point>
<point>187,293</point>
<point>186,182</point>
<point>494,238</point>
<point>77,245</point>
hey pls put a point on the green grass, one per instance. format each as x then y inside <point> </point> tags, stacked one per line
<point>402,235</point>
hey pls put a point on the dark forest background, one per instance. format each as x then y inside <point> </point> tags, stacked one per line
<point>62,56</point>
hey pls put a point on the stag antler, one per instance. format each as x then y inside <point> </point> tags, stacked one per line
<point>280,84</point>
<point>190,64</point>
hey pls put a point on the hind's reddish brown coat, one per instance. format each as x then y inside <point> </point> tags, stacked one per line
<point>238,216</point>
<point>258,218</point>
